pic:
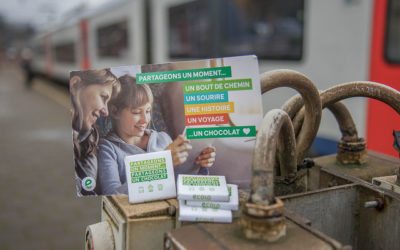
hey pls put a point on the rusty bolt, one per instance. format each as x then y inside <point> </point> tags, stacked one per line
<point>264,222</point>
<point>378,204</point>
<point>352,152</point>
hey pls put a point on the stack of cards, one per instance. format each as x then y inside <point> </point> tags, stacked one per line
<point>206,198</point>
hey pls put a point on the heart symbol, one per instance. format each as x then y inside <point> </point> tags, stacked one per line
<point>246,131</point>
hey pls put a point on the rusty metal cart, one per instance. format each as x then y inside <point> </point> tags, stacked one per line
<point>294,203</point>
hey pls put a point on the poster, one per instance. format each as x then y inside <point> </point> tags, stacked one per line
<point>206,112</point>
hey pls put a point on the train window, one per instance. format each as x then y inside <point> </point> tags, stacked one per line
<point>392,49</point>
<point>39,50</point>
<point>65,53</point>
<point>190,30</point>
<point>112,40</point>
<point>271,29</point>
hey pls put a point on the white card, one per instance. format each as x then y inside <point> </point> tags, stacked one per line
<point>202,188</point>
<point>187,213</point>
<point>150,176</point>
<point>217,100</point>
<point>232,204</point>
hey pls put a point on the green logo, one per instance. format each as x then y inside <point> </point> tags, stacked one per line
<point>88,183</point>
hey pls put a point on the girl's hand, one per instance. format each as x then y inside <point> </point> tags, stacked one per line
<point>179,150</point>
<point>207,157</point>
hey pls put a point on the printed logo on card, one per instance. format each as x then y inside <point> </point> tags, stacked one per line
<point>88,183</point>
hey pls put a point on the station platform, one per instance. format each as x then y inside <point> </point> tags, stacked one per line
<point>38,204</point>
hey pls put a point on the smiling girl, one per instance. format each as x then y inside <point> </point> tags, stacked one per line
<point>130,115</point>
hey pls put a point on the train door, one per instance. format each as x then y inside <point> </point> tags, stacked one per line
<point>384,68</point>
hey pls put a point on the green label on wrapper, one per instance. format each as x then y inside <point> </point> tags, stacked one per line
<point>183,75</point>
<point>200,181</point>
<point>148,170</point>
<point>221,132</point>
<point>210,205</point>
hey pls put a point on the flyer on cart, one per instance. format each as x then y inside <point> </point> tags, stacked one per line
<point>205,112</point>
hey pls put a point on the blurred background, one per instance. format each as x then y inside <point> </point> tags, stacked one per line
<point>330,41</point>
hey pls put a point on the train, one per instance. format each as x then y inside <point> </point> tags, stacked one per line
<point>330,41</point>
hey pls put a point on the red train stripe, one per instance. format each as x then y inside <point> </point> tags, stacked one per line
<point>381,119</point>
<point>85,61</point>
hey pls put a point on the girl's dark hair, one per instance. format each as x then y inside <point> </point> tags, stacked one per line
<point>88,146</point>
